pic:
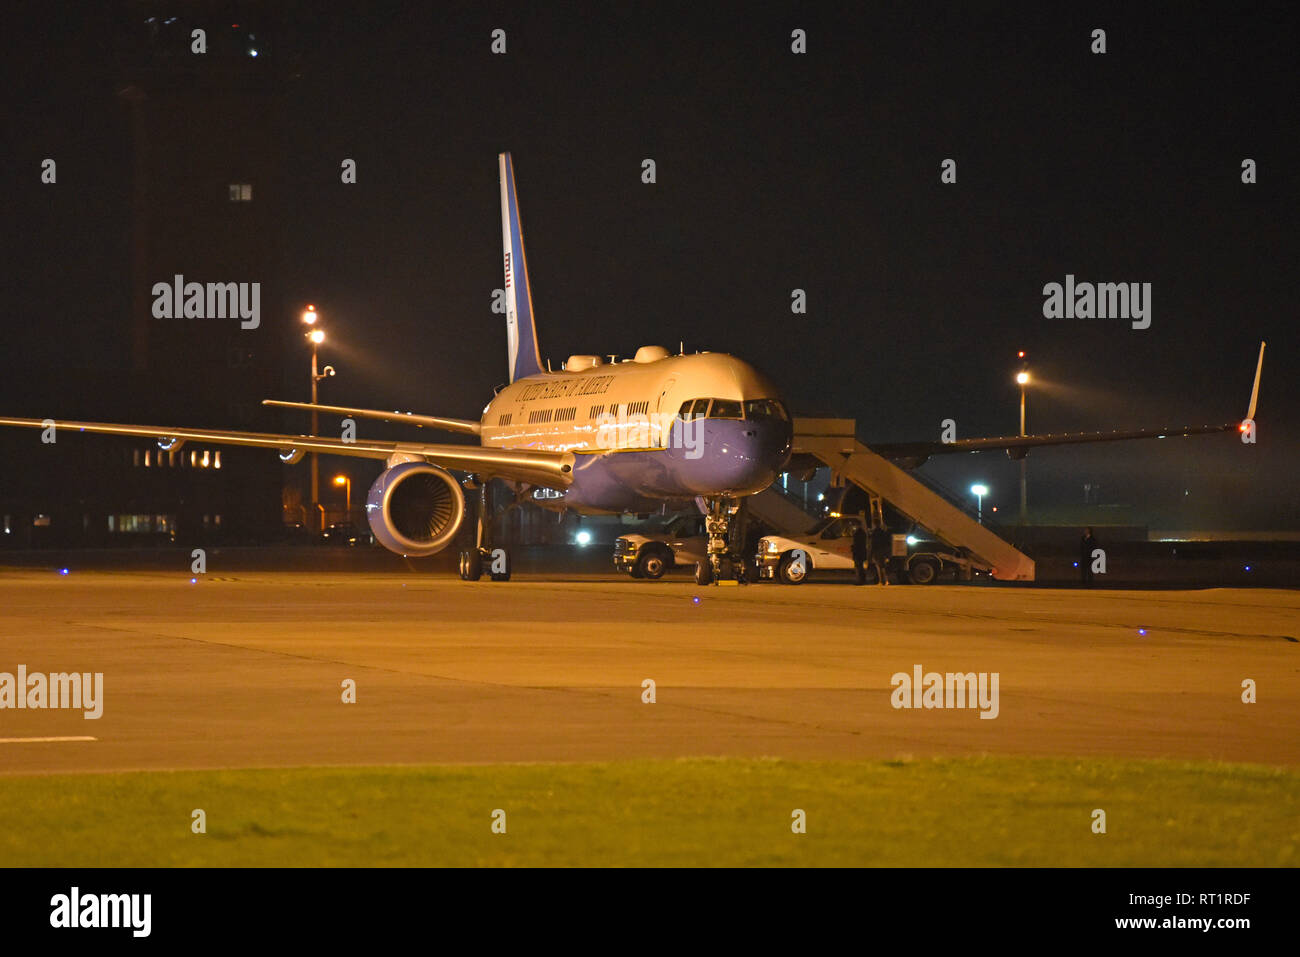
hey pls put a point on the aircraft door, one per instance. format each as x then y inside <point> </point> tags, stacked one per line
<point>664,414</point>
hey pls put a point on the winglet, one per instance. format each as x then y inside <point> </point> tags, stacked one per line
<point>521,328</point>
<point>1254,393</point>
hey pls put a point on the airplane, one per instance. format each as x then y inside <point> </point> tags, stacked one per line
<point>652,432</point>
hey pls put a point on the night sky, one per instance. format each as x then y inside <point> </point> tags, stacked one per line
<point>775,171</point>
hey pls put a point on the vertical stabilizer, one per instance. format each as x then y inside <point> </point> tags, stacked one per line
<point>521,327</point>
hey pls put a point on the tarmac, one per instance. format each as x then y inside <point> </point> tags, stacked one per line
<point>246,669</point>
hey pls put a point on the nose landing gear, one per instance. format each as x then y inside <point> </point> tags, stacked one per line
<point>724,522</point>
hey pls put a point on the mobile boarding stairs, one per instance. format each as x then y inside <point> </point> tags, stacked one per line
<point>834,443</point>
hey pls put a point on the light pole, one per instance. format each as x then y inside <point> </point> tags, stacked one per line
<point>1023,379</point>
<point>315,337</point>
<point>979,491</point>
<point>347,491</point>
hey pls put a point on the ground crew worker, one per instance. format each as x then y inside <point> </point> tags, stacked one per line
<point>881,547</point>
<point>860,553</point>
<point>1086,545</point>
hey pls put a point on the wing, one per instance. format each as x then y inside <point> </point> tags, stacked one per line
<point>465,426</point>
<point>912,454</point>
<point>1017,446</point>
<point>552,469</point>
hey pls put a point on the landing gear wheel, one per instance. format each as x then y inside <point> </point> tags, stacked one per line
<point>651,564</point>
<point>502,562</point>
<point>703,573</point>
<point>471,566</point>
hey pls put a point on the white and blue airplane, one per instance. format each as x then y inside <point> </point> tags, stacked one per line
<point>651,432</point>
<point>596,436</point>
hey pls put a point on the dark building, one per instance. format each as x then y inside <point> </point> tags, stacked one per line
<point>200,134</point>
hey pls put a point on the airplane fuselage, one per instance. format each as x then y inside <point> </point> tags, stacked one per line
<point>649,430</point>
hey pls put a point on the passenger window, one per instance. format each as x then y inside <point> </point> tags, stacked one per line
<point>725,409</point>
<point>833,530</point>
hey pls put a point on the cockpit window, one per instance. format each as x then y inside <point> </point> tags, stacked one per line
<point>764,409</point>
<point>694,408</point>
<point>733,409</point>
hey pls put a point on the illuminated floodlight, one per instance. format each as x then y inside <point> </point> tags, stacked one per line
<point>1023,378</point>
<point>979,491</point>
<point>583,538</point>
<point>317,336</point>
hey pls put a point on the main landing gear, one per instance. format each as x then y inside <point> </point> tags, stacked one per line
<point>483,557</point>
<point>724,522</point>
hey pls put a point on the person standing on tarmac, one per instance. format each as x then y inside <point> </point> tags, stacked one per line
<point>1086,546</point>
<point>881,546</point>
<point>860,553</point>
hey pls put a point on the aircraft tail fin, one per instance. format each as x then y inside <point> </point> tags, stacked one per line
<point>521,327</point>
<point>1254,392</point>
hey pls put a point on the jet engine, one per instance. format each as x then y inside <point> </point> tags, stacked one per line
<point>415,509</point>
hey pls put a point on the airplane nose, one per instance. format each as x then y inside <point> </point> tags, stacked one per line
<point>764,449</point>
<point>735,457</point>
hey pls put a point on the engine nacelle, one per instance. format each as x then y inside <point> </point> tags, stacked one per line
<point>415,509</point>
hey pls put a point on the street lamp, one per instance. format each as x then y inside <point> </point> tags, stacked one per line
<point>347,484</point>
<point>315,337</point>
<point>1022,378</point>
<point>979,491</point>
